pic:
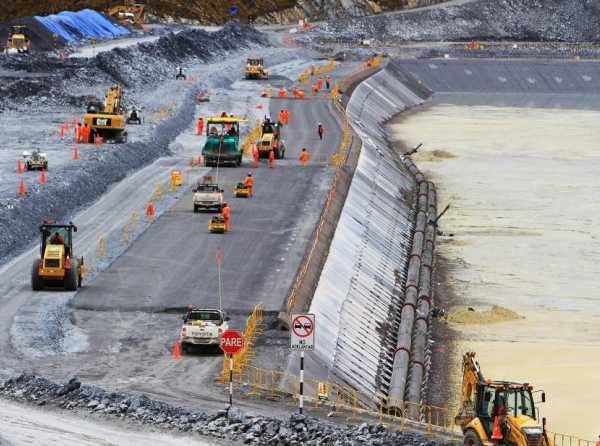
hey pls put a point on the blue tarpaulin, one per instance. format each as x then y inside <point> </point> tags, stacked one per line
<point>84,24</point>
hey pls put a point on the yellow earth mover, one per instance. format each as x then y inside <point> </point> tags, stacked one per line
<point>57,265</point>
<point>129,14</point>
<point>107,120</point>
<point>17,41</point>
<point>255,69</point>
<point>491,408</point>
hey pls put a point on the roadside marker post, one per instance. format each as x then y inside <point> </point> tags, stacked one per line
<point>232,342</point>
<point>302,338</point>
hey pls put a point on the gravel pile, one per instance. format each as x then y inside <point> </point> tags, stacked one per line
<point>233,425</point>
<point>145,65</point>
<point>533,20</point>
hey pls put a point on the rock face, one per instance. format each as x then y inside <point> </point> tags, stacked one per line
<point>217,11</point>
<point>232,424</point>
<point>532,20</point>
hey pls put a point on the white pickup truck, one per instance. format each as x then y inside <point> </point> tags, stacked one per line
<point>203,327</point>
<point>207,196</point>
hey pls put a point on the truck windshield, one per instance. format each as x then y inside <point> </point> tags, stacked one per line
<point>204,316</point>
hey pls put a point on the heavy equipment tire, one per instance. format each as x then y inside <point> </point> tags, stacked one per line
<point>239,161</point>
<point>70,280</point>
<point>471,438</point>
<point>37,283</point>
<point>196,208</point>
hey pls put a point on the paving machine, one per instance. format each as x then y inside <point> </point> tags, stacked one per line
<point>128,14</point>
<point>255,69</point>
<point>270,139</point>
<point>57,265</point>
<point>223,141</point>
<point>489,409</point>
<point>18,40</point>
<point>107,119</point>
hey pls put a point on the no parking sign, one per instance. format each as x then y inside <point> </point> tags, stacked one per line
<point>302,332</point>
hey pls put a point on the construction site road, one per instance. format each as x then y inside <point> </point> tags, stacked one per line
<point>119,330</point>
<point>172,265</point>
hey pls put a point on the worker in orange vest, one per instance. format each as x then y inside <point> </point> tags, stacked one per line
<point>249,182</point>
<point>320,82</point>
<point>499,423</point>
<point>226,211</point>
<point>271,158</point>
<point>200,126</point>
<point>281,117</point>
<point>286,115</point>
<point>304,156</point>
<point>312,70</point>
<point>85,133</point>
<point>255,156</point>
<point>598,442</point>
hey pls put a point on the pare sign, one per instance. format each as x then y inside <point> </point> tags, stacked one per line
<point>232,341</point>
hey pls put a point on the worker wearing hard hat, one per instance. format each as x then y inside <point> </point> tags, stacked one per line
<point>249,183</point>
<point>226,211</point>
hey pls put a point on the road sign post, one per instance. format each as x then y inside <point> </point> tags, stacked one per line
<point>232,342</point>
<point>302,338</point>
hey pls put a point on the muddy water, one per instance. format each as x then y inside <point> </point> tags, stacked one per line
<point>525,194</point>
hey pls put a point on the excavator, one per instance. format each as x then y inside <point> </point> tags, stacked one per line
<point>255,69</point>
<point>107,120</point>
<point>130,13</point>
<point>492,409</point>
<point>18,41</point>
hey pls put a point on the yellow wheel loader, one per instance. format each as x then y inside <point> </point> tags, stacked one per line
<point>107,120</point>
<point>57,265</point>
<point>498,412</point>
<point>129,14</point>
<point>18,41</point>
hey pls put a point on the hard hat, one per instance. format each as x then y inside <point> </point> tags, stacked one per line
<point>249,174</point>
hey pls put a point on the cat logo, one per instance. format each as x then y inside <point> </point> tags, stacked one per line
<point>105,122</point>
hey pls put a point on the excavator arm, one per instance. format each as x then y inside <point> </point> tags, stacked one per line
<point>472,377</point>
<point>112,102</point>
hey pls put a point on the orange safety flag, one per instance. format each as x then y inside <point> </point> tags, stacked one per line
<point>200,126</point>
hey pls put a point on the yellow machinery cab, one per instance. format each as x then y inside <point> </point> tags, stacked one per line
<point>57,265</point>
<point>513,403</point>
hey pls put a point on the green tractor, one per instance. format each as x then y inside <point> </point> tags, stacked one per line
<point>222,145</point>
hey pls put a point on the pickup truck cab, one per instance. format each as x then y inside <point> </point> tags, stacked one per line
<point>203,327</point>
<point>207,196</point>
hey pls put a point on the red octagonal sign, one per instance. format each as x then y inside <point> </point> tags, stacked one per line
<point>232,341</point>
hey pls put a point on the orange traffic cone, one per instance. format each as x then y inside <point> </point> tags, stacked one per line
<point>19,167</point>
<point>22,188</point>
<point>177,350</point>
<point>98,140</point>
<point>150,209</point>
<point>75,153</point>
<point>43,177</point>
<point>497,432</point>
<point>61,132</point>
<point>66,125</point>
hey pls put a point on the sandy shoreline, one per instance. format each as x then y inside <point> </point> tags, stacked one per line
<point>524,193</point>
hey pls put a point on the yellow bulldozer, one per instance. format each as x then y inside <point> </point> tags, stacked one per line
<point>107,120</point>
<point>128,14</point>
<point>57,265</point>
<point>255,69</point>
<point>17,41</point>
<point>493,412</point>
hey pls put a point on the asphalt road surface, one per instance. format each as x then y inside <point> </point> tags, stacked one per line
<point>173,263</point>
